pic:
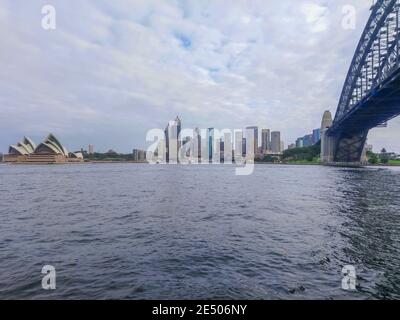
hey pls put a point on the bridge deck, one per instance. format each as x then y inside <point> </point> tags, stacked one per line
<point>379,106</point>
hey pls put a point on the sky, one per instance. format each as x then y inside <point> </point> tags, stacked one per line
<point>112,70</point>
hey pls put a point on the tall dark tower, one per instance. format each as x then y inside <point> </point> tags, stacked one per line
<point>197,139</point>
<point>166,144</point>
<point>179,126</point>
<point>179,138</point>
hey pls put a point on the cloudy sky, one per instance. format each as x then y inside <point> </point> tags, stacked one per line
<point>114,69</point>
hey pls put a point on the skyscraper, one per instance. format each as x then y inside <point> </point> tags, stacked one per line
<point>178,123</point>
<point>238,155</point>
<point>265,140</point>
<point>300,143</point>
<point>161,152</point>
<point>186,147</point>
<point>196,152</point>
<point>166,143</point>
<point>172,137</point>
<point>308,140</point>
<point>216,157</point>
<point>276,142</point>
<point>210,142</point>
<point>255,135</point>
<point>142,156</point>
<point>135,153</point>
<point>91,149</point>
<point>227,147</point>
<point>316,136</point>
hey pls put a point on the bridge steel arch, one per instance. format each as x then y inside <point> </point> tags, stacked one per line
<point>371,92</point>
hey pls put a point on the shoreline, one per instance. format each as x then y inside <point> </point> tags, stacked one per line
<point>146,163</point>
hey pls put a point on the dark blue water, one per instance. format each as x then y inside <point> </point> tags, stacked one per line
<point>167,232</point>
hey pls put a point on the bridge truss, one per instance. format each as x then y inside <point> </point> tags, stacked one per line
<point>377,57</point>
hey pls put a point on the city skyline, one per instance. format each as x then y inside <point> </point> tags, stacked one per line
<point>114,85</point>
<point>266,141</point>
<point>211,145</point>
<point>263,141</point>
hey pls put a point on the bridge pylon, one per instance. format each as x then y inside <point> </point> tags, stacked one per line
<point>328,143</point>
<point>342,149</point>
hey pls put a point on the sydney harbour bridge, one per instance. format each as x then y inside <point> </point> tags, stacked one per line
<point>371,92</point>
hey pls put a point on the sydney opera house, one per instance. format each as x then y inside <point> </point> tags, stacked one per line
<point>49,151</point>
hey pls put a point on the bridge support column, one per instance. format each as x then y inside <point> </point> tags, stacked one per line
<point>328,148</point>
<point>328,143</point>
<point>351,148</point>
<point>364,157</point>
<point>342,148</point>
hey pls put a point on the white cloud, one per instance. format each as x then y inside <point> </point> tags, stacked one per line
<point>316,15</point>
<point>112,70</point>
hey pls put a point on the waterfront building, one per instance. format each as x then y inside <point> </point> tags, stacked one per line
<point>187,146</point>
<point>178,123</point>
<point>308,140</point>
<point>161,153</point>
<point>265,141</point>
<point>91,149</point>
<point>204,142</point>
<point>142,156</point>
<point>76,155</point>
<point>25,147</point>
<point>196,150</point>
<point>172,137</point>
<point>316,136</point>
<point>227,148</point>
<point>238,154</point>
<point>210,142</point>
<point>253,132</point>
<point>139,155</point>
<point>276,142</point>
<point>135,155</point>
<point>49,151</point>
<point>299,143</point>
<point>282,146</point>
<point>221,151</point>
<point>51,146</point>
<point>216,157</point>
<point>166,143</point>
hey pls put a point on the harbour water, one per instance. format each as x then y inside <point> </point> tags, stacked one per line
<point>126,231</point>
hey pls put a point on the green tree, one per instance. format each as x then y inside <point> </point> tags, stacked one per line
<point>302,154</point>
<point>269,159</point>
<point>372,158</point>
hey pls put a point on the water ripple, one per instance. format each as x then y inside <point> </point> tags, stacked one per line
<point>142,232</point>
